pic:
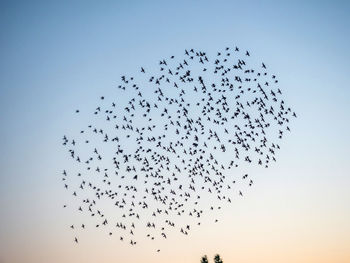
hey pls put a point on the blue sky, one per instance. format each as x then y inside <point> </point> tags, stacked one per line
<point>59,56</point>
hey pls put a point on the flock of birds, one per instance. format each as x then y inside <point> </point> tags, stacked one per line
<point>162,154</point>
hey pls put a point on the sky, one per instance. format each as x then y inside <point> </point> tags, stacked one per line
<point>57,56</point>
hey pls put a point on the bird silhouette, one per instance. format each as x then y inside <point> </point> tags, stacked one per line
<point>186,131</point>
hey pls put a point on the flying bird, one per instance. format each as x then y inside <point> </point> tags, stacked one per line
<point>170,138</point>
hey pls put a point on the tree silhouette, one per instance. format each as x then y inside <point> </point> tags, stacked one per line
<point>204,259</point>
<point>217,259</point>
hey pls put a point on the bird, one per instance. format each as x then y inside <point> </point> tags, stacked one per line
<point>166,144</point>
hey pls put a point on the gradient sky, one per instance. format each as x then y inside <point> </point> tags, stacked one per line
<point>59,56</point>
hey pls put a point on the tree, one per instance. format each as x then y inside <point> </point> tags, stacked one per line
<point>204,259</point>
<point>217,259</point>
